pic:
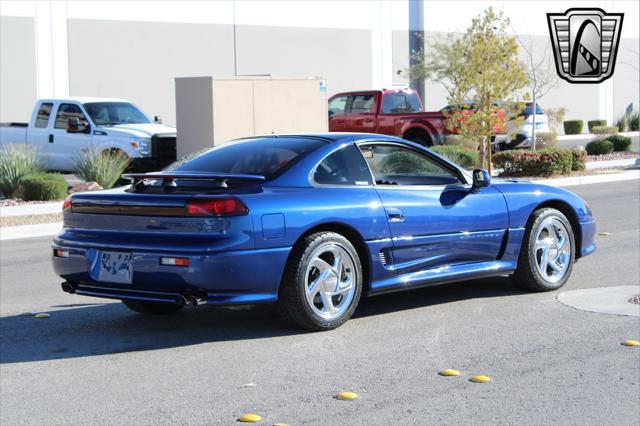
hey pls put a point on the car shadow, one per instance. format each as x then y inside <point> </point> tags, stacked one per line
<point>92,329</point>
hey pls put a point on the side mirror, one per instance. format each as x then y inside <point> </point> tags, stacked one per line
<point>157,119</point>
<point>73,125</point>
<point>481,178</point>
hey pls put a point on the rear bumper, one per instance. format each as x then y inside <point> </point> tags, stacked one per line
<point>227,278</point>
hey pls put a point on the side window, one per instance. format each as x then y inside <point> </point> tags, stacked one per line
<point>338,105</point>
<point>362,104</point>
<point>397,165</point>
<point>343,167</point>
<point>42,119</point>
<point>400,102</point>
<point>67,111</point>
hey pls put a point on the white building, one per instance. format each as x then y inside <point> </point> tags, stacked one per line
<point>135,49</point>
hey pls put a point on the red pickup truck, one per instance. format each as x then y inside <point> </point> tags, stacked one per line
<point>396,112</point>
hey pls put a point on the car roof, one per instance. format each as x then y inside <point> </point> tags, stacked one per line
<point>83,99</point>
<point>333,137</point>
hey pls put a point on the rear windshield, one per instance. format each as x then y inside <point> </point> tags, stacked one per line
<point>268,157</point>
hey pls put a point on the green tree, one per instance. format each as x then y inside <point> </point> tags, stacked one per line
<point>482,74</point>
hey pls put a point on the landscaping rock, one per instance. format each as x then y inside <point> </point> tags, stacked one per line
<point>86,186</point>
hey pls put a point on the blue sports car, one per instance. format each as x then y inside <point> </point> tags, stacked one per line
<point>313,222</point>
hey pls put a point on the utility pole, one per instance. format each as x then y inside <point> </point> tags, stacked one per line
<point>416,40</point>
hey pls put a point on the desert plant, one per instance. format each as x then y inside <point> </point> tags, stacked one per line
<point>103,167</point>
<point>622,123</point>
<point>604,130</point>
<point>620,143</point>
<point>573,127</point>
<point>596,123</point>
<point>460,155</point>
<point>43,187</point>
<point>634,122</point>
<point>16,161</point>
<point>599,147</point>
<point>546,140</point>
<point>579,158</point>
<point>555,117</point>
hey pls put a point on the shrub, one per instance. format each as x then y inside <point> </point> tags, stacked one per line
<point>405,162</point>
<point>43,187</point>
<point>622,123</point>
<point>579,158</point>
<point>555,117</point>
<point>604,130</point>
<point>599,147</point>
<point>465,157</point>
<point>620,143</point>
<point>634,122</point>
<point>546,140</point>
<point>546,162</point>
<point>16,161</point>
<point>573,127</point>
<point>596,123</point>
<point>105,167</point>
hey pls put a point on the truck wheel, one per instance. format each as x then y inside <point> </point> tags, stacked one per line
<point>420,139</point>
<point>547,252</point>
<point>152,308</point>
<point>322,283</point>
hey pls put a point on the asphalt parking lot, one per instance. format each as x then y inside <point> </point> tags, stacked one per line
<point>94,362</point>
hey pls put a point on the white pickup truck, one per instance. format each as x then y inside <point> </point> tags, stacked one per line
<point>60,128</point>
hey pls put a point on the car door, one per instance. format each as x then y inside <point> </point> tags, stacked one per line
<point>337,110</point>
<point>65,145</point>
<point>40,130</point>
<point>361,114</point>
<point>436,219</point>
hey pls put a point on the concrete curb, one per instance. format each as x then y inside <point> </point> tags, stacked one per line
<point>29,231</point>
<point>604,300</point>
<point>609,164</point>
<point>585,180</point>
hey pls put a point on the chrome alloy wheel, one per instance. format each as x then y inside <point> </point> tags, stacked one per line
<point>330,281</point>
<point>552,250</point>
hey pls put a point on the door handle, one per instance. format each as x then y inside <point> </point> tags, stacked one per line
<point>338,121</point>
<point>50,138</point>
<point>368,120</point>
<point>395,215</point>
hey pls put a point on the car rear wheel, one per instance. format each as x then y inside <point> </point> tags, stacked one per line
<point>547,253</point>
<point>322,283</point>
<point>152,308</point>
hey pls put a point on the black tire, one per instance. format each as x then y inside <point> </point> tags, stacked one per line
<point>527,274</point>
<point>292,300</point>
<point>152,308</point>
<point>420,139</point>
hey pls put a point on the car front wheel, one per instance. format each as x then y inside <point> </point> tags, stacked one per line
<point>547,253</point>
<point>323,282</point>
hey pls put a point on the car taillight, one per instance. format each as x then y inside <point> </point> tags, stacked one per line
<point>227,206</point>
<point>66,205</point>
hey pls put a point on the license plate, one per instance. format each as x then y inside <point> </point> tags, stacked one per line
<point>115,267</point>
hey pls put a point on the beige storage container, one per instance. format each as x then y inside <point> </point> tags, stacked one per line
<point>214,110</point>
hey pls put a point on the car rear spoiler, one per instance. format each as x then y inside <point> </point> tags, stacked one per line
<point>168,178</point>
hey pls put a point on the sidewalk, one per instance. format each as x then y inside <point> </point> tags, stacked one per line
<point>29,209</point>
<point>582,136</point>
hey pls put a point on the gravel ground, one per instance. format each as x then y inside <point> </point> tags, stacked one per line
<point>10,202</point>
<point>613,156</point>
<point>30,220</point>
